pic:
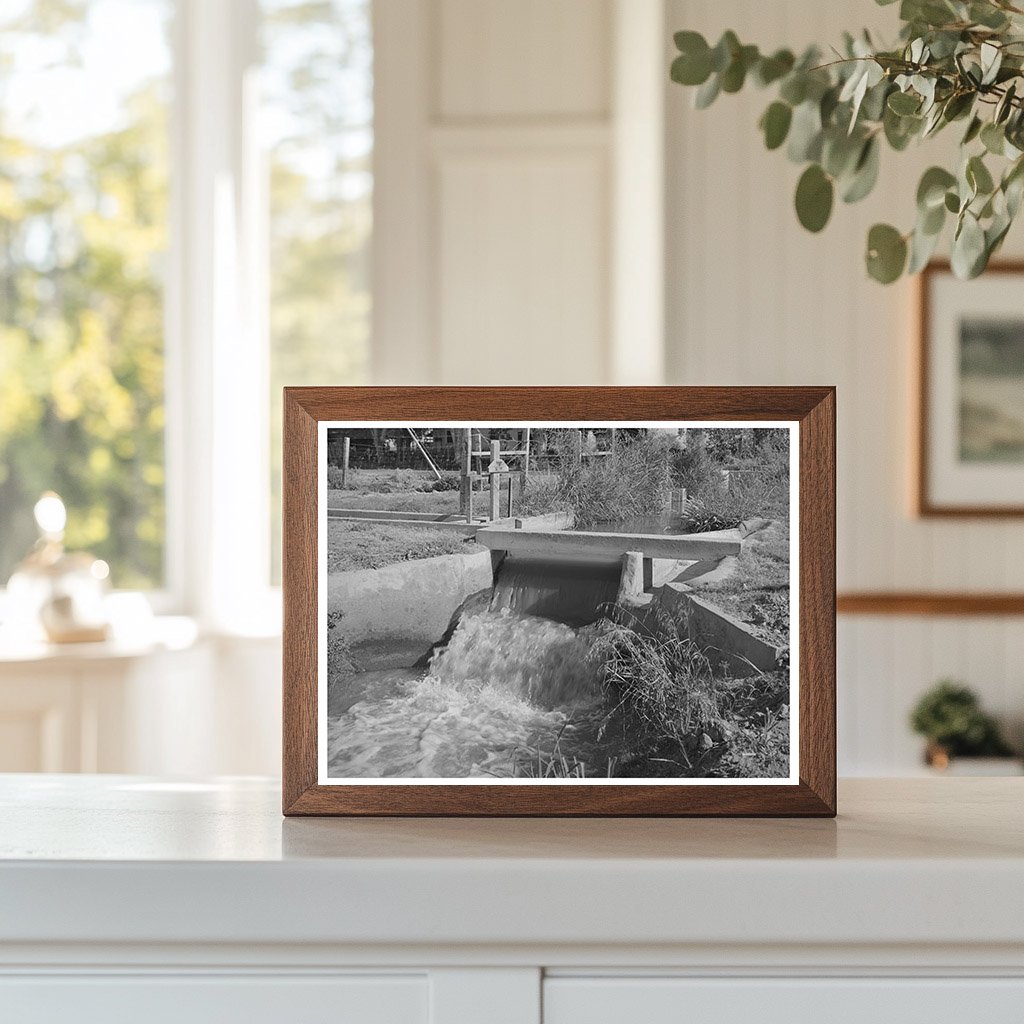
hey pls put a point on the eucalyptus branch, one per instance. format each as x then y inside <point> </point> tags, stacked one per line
<point>954,60</point>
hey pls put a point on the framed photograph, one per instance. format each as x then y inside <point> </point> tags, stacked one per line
<point>970,451</point>
<point>559,601</point>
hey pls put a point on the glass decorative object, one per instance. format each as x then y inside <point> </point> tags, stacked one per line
<point>57,594</point>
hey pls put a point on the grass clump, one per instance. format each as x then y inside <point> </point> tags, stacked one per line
<point>674,717</point>
<point>722,510</point>
<point>540,762</point>
<point>661,688</point>
<point>634,481</point>
<point>373,545</point>
<point>758,708</point>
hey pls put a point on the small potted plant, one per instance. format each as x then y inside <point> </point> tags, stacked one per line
<point>950,717</point>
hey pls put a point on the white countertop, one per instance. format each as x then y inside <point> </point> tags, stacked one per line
<point>121,859</point>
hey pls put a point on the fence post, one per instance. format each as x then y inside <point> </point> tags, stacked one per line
<point>495,481</point>
<point>346,442</point>
<point>577,454</point>
<point>466,483</point>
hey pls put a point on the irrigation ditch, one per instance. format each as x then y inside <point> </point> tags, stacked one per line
<point>455,665</point>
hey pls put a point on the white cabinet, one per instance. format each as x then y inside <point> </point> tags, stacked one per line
<point>202,999</point>
<point>668,1000</point>
<point>133,899</point>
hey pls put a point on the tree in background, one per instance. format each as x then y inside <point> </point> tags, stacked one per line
<point>82,229</point>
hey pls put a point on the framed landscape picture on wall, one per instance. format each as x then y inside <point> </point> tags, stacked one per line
<point>578,601</point>
<point>970,450</point>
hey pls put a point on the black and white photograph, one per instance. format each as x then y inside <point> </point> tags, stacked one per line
<point>595,603</point>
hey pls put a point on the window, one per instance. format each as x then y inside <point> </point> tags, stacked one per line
<point>317,117</point>
<point>167,264</point>
<point>83,236</point>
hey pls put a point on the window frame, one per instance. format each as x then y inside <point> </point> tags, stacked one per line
<point>217,346</point>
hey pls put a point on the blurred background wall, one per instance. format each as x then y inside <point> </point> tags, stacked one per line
<point>412,191</point>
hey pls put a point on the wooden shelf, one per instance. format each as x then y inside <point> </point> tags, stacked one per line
<point>928,603</point>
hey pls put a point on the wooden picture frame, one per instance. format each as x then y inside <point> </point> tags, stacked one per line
<point>931,376</point>
<point>809,791</point>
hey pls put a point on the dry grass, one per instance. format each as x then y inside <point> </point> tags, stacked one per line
<point>373,545</point>
<point>758,592</point>
<point>660,685</point>
<point>632,482</point>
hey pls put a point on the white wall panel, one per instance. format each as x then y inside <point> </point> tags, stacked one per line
<point>754,299</point>
<point>521,292</point>
<point>527,58</point>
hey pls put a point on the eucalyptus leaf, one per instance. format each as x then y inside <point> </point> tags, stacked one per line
<point>707,93</point>
<point>973,130</point>
<point>932,221</point>
<point>794,88</point>
<point>771,69</point>
<point>987,15</point>
<point>993,138</point>
<point>978,176</point>
<point>904,103</point>
<point>931,190</point>
<point>922,248</point>
<point>991,60</point>
<point>724,51</point>
<point>900,130</point>
<point>865,174</point>
<point>958,105</point>
<point>840,152</point>
<point>1005,105</point>
<point>735,74</point>
<point>775,124</point>
<point>886,253</point>
<point>814,196</point>
<point>805,133</point>
<point>969,250</point>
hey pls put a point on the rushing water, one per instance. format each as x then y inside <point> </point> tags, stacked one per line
<point>506,685</point>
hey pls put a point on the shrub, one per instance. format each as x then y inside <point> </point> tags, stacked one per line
<point>723,511</point>
<point>661,683</point>
<point>634,481</point>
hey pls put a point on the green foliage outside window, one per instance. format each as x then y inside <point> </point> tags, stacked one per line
<point>83,216</point>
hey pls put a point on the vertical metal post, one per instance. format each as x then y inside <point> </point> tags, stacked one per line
<point>346,443</point>
<point>495,482</point>
<point>466,484</point>
<point>526,461</point>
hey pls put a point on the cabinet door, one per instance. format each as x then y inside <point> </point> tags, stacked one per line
<point>782,1001</point>
<point>205,999</point>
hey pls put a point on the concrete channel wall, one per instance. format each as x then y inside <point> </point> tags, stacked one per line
<point>407,605</point>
